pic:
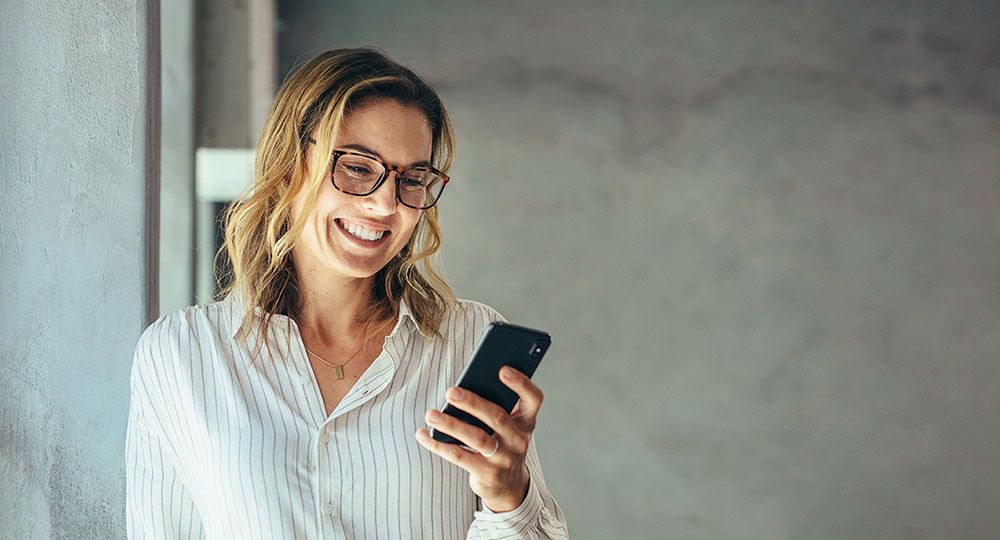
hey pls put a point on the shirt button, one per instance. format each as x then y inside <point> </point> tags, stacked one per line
<point>329,508</point>
<point>324,437</point>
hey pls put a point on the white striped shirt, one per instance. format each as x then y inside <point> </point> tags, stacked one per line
<point>217,447</point>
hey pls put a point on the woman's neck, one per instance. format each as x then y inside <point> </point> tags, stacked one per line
<point>329,311</point>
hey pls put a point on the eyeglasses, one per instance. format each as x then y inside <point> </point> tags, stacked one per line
<point>357,174</point>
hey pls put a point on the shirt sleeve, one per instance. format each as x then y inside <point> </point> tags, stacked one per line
<point>157,503</point>
<point>538,517</point>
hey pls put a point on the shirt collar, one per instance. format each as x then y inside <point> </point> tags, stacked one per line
<point>235,303</point>
<point>405,314</point>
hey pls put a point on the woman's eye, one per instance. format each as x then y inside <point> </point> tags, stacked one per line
<point>358,170</point>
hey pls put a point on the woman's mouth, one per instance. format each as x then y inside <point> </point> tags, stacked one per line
<point>361,236</point>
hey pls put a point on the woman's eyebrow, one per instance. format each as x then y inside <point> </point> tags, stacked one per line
<point>365,149</point>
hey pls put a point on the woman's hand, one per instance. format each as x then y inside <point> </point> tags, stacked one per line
<point>501,480</point>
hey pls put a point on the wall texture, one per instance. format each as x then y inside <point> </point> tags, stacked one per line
<point>73,279</point>
<point>764,236</point>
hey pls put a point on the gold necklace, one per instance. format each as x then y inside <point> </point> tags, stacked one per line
<point>339,369</point>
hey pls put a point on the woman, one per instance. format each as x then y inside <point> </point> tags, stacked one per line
<point>293,405</point>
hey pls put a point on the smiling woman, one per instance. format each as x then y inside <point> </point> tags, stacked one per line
<point>292,405</point>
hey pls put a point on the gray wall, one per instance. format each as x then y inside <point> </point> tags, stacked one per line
<point>74,286</point>
<point>763,235</point>
<point>177,144</point>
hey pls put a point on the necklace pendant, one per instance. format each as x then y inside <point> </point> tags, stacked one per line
<point>340,371</point>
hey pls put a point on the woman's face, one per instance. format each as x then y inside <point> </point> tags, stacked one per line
<point>398,135</point>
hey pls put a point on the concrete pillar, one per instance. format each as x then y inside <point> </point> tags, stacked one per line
<point>177,195</point>
<point>78,242</point>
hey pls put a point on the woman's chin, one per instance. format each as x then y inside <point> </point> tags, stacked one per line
<point>357,264</point>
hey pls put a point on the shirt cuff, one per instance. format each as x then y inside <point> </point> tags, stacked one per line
<point>513,521</point>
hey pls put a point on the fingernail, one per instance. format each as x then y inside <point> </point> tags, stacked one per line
<point>508,372</point>
<point>434,415</point>
<point>456,393</point>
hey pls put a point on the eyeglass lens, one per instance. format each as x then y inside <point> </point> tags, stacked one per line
<point>357,175</point>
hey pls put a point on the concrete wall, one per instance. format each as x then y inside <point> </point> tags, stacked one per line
<point>764,236</point>
<point>75,278</point>
<point>177,188</point>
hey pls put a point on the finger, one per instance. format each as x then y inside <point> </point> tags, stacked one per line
<point>530,394</point>
<point>485,410</point>
<point>472,436</point>
<point>453,453</point>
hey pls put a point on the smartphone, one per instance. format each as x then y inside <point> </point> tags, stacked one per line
<point>501,344</point>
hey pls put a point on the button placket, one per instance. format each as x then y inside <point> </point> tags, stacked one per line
<point>322,450</point>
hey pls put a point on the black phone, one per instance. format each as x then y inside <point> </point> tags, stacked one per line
<point>501,344</point>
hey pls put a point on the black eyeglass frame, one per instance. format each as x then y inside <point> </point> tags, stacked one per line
<point>385,174</point>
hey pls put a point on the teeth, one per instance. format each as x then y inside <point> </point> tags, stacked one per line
<point>361,232</point>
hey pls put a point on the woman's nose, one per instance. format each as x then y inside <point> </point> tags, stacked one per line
<point>383,199</point>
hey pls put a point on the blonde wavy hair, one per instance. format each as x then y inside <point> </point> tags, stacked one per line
<point>259,235</point>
